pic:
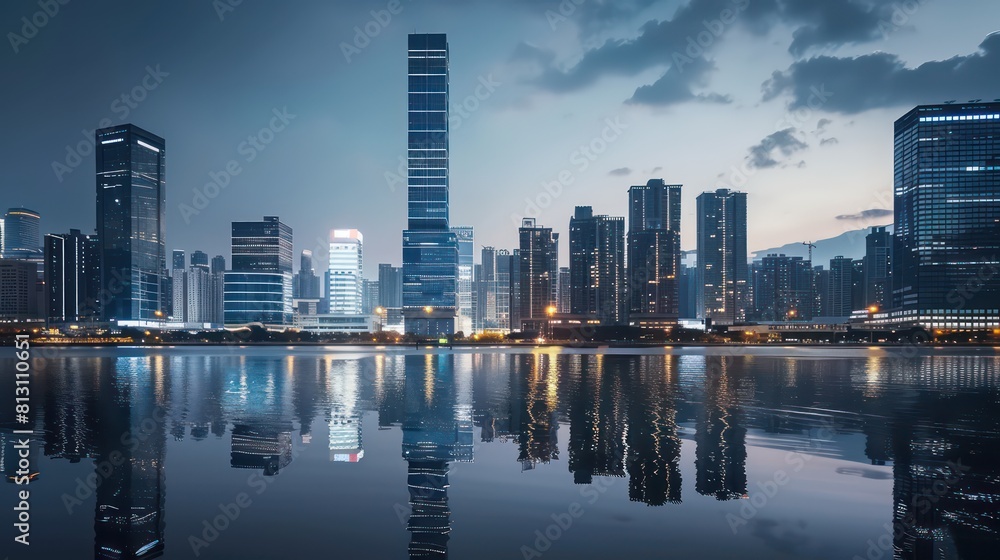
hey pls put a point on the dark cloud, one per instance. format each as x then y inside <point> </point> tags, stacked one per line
<point>620,172</point>
<point>682,46</point>
<point>829,142</point>
<point>821,125</point>
<point>655,169</point>
<point>880,80</point>
<point>784,141</point>
<point>867,214</point>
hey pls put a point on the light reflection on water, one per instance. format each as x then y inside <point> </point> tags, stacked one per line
<point>512,454</point>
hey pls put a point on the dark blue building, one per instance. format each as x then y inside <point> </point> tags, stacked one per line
<point>131,224</point>
<point>430,249</point>
<point>946,244</point>
<point>258,289</point>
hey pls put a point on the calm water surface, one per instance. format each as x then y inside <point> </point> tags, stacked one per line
<point>275,453</point>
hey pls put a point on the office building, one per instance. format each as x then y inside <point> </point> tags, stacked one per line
<point>877,270</point>
<point>346,289</point>
<point>596,267</point>
<point>466,249</point>
<point>199,259</point>
<point>21,235</point>
<point>947,220</point>
<point>430,249</point>
<point>131,225</point>
<point>179,260</point>
<point>539,273</point>
<point>369,296</point>
<point>722,256</point>
<point>72,277</point>
<point>258,289</point>
<point>218,264</point>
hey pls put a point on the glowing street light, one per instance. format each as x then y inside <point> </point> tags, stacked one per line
<point>428,309</point>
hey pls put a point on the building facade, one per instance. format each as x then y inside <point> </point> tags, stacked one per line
<point>131,223</point>
<point>72,277</point>
<point>430,249</point>
<point>722,256</point>
<point>465,237</point>
<point>346,289</point>
<point>596,267</point>
<point>654,254</point>
<point>947,217</point>
<point>21,235</point>
<point>258,289</point>
<point>538,272</point>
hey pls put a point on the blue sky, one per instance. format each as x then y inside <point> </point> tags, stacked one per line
<point>790,100</point>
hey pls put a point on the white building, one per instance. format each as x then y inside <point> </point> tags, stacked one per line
<point>345,290</point>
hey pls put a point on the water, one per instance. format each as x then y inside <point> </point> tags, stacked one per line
<point>510,454</point>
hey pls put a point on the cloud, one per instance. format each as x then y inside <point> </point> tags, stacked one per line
<point>829,142</point>
<point>655,169</point>
<point>821,125</point>
<point>882,80</point>
<point>620,172</point>
<point>784,141</point>
<point>867,214</point>
<point>682,46</point>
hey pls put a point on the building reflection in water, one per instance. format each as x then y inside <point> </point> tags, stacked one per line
<point>435,434</point>
<point>721,452</point>
<point>933,423</point>
<point>131,439</point>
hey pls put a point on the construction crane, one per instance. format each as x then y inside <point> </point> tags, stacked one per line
<point>811,247</point>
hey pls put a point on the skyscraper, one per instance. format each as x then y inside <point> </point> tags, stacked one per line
<point>258,289</point>
<point>430,249</point>
<point>466,250</point>
<point>539,273</point>
<point>218,264</point>
<point>947,218</point>
<point>306,281</point>
<point>179,260</point>
<point>346,289</point>
<point>878,269</point>
<point>21,237</point>
<point>131,224</point>
<point>199,259</point>
<point>508,282</point>
<point>596,266</point>
<point>488,304</point>
<point>722,256</point>
<point>654,250</point>
<point>390,286</point>
<point>840,301</point>
<point>72,277</point>
<point>565,294</point>
<point>783,289</point>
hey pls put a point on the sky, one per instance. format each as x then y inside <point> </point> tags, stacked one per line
<point>298,108</point>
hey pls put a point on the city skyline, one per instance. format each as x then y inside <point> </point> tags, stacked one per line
<point>575,87</point>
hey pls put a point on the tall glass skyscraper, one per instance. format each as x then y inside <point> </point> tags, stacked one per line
<point>72,277</point>
<point>131,223</point>
<point>258,289</point>
<point>430,248</point>
<point>722,256</point>
<point>946,243</point>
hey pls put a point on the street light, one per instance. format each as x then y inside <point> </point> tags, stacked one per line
<point>428,309</point>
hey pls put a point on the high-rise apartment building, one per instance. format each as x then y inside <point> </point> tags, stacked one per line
<point>465,237</point>
<point>596,266</point>
<point>722,256</point>
<point>539,271</point>
<point>654,254</point>
<point>878,270</point>
<point>346,289</point>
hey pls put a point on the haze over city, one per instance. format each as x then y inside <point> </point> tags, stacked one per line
<point>690,92</point>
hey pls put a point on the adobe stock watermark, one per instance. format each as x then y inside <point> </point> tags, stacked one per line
<point>458,113</point>
<point>900,17</point>
<point>250,149</point>
<point>223,7</point>
<point>365,33</point>
<point>32,25</point>
<point>580,161</point>
<point>920,504</point>
<point>565,10</point>
<point>213,528</point>
<point>563,521</point>
<point>698,45</point>
<point>767,490</point>
<point>121,107</point>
